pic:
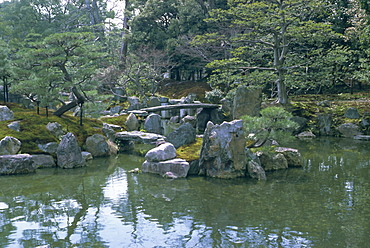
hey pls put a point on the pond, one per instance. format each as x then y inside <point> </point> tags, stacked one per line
<point>324,204</point>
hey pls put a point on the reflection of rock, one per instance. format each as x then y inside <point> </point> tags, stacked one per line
<point>16,164</point>
<point>223,154</point>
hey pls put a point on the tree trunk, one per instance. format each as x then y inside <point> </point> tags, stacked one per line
<point>124,45</point>
<point>65,108</point>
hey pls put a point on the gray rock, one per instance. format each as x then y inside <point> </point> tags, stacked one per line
<point>162,152</point>
<point>352,113</point>
<point>97,146</point>
<point>9,146</point>
<point>69,153</point>
<point>154,101</point>
<point>115,110</point>
<point>163,99</point>
<point>177,167</point>
<point>190,119</point>
<point>43,161</point>
<point>301,121</point>
<point>306,135</point>
<point>247,101</point>
<point>175,119</point>
<point>293,157</point>
<point>256,171</point>
<point>324,124</point>
<point>194,167</point>
<point>203,117</point>
<point>86,155</point>
<point>108,131</point>
<point>134,103</point>
<point>6,114</point>
<point>349,130</point>
<point>271,161</point>
<point>216,116</point>
<point>365,121</point>
<point>143,137</point>
<point>325,103</point>
<point>55,129</point>
<point>152,124</point>
<point>226,106</point>
<point>15,126</point>
<point>132,123</point>
<point>16,164</point>
<point>223,150</point>
<point>49,147</point>
<point>183,135</point>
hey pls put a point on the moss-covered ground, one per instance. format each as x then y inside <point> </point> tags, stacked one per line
<point>34,132</point>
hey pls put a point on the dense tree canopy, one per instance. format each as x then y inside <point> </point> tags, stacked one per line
<point>285,46</point>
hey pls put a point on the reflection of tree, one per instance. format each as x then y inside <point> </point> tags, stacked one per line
<point>56,199</point>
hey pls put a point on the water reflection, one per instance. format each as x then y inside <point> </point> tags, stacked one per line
<point>323,204</point>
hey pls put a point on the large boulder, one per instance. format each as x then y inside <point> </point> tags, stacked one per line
<point>352,113</point>
<point>132,123</point>
<point>293,157</point>
<point>176,167</point>
<point>223,150</point>
<point>134,103</point>
<point>254,167</point>
<point>97,145</point>
<point>183,135</point>
<point>349,130</point>
<point>271,161</point>
<point>165,151</point>
<point>55,129</point>
<point>6,114</point>
<point>15,126</point>
<point>43,161</point>
<point>16,164</point>
<point>49,147</point>
<point>203,117</point>
<point>9,146</point>
<point>69,153</point>
<point>247,101</point>
<point>152,124</point>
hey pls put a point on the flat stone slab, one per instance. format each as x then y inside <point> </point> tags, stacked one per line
<point>362,137</point>
<point>181,106</point>
<point>143,137</point>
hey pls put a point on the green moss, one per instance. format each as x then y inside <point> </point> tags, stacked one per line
<point>191,151</point>
<point>115,120</point>
<point>33,128</point>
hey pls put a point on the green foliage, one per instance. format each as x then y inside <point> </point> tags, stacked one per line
<point>55,64</point>
<point>274,123</point>
<point>214,96</point>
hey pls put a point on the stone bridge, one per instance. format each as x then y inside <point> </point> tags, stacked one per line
<point>181,106</point>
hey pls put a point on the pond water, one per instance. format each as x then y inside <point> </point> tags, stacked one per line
<point>324,204</point>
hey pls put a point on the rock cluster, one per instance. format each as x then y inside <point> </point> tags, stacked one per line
<point>162,160</point>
